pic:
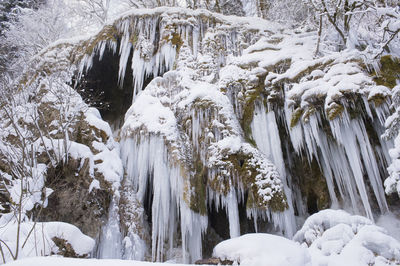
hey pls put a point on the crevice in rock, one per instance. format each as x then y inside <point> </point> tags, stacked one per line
<point>99,87</point>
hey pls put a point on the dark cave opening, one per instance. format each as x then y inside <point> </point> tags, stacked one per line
<point>99,87</point>
<point>312,206</point>
<point>148,203</point>
<point>218,226</point>
<point>217,231</point>
<point>246,224</point>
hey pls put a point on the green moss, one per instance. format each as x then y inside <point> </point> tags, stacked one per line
<point>247,175</point>
<point>280,67</point>
<point>356,104</point>
<point>378,100</point>
<point>176,40</point>
<point>275,40</point>
<point>296,117</point>
<point>389,71</point>
<point>133,40</point>
<point>334,110</point>
<point>108,33</point>
<point>198,183</point>
<point>309,112</point>
<point>246,120</point>
<point>248,109</point>
<point>312,184</point>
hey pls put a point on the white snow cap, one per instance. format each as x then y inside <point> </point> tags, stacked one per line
<point>262,249</point>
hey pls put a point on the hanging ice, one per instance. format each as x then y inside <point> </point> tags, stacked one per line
<point>266,135</point>
<point>110,240</point>
<point>148,164</point>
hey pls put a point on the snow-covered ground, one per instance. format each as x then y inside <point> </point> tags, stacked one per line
<point>330,237</point>
<point>52,261</point>
<point>263,249</point>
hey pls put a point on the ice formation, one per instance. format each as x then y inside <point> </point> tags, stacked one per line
<point>232,106</point>
<point>221,94</point>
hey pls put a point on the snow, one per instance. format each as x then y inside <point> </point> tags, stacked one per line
<point>316,224</point>
<point>94,185</point>
<point>371,245</point>
<point>193,114</point>
<point>262,249</point>
<point>391,222</point>
<point>93,117</point>
<point>39,242</point>
<point>51,261</point>
<point>330,237</point>
<point>150,113</point>
<point>334,237</point>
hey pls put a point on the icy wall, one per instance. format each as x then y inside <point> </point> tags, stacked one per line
<point>240,117</point>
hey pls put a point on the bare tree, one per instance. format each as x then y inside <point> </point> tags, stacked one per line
<point>36,124</point>
<point>95,9</point>
<point>346,18</point>
<point>31,31</point>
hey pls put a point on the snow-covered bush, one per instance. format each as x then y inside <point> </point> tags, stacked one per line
<point>370,25</point>
<point>43,239</point>
<point>334,237</point>
<point>31,31</point>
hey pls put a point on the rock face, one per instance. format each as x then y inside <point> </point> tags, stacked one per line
<point>82,188</point>
<point>65,248</point>
<point>76,175</point>
<point>213,261</point>
<point>71,201</point>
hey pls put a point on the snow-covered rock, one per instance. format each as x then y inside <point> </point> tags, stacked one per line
<point>335,237</point>
<point>262,249</point>
<point>44,239</point>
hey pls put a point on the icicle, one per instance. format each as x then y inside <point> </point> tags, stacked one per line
<point>233,214</point>
<point>353,136</point>
<point>124,52</point>
<point>345,161</point>
<point>253,213</point>
<point>266,135</point>
<point>147,164</point>
<point>110,240</point>
<point>230,204</point>
<point>85,64</point>
<point>193,226</point>
<point>195,34</point>
<point>296,132</point>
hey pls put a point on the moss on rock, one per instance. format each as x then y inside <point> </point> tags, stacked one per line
<point>198,183</point>
<point>334,110</point>
<point>296,116</point>
<point>389,71</point>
